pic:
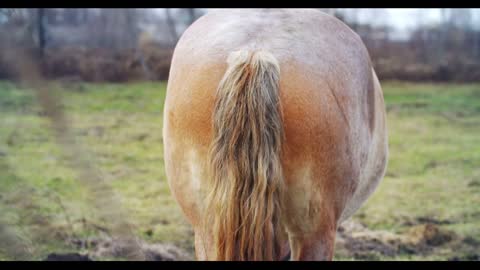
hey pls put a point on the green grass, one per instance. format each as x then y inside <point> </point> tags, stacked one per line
<point>434,156</point>
<point>433,171</point>
<point>434,164</point>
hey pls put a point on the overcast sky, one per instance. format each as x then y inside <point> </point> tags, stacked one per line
<point>405,19</point>
<point>401,19</point>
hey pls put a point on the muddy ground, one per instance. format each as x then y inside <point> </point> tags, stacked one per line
<point>354,240</point>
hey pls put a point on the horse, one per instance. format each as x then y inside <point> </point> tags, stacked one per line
<point>274,132</point>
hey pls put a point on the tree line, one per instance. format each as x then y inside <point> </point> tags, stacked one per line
<point>447,50</point>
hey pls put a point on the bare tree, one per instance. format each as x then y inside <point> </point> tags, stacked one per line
<point>171,25</point>
<point>41,31</point>
<point>131,21</point>
<point>191,15</point>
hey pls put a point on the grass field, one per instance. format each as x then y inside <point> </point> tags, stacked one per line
<point>433,175</point>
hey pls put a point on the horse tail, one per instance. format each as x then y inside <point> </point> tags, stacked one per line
<point>244,206</point>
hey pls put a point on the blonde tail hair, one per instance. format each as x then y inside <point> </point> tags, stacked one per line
<point>245,202</point>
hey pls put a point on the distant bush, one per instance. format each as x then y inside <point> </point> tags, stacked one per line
<point>104,65</point>
<point>453,70</point>
<point>100,64</point>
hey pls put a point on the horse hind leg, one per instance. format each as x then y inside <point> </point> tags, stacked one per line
<point>315,246</point>
<point>311,217</point>
<point>311,233</point>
